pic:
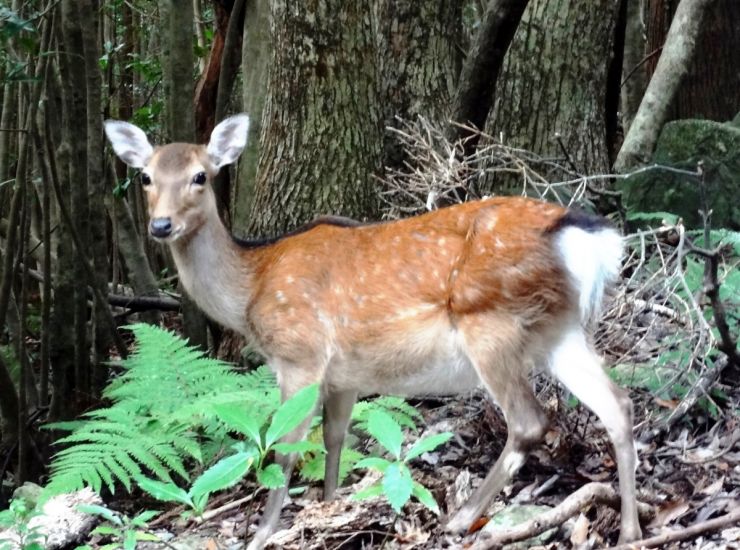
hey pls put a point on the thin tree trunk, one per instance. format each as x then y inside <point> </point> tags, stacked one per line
<point>89,23</point>
<point>673,65</point>
<point>256,55</point>
<point>179,62</point>
<point>475,92</point>
<point>75,138</point>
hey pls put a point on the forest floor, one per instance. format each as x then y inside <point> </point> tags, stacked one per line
<point>690,476</point>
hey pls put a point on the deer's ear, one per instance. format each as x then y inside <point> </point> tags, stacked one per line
<point>228,140</point>
<point>129,142</point>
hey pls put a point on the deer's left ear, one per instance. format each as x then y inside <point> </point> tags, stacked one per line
<point>129,142</point>
<point>228,139</point>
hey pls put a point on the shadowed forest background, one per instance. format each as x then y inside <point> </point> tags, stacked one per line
<point>374,110</point>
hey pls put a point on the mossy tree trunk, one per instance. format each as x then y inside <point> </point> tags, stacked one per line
<point>322,138</point>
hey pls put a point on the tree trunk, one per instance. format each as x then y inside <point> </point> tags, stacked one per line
<point>75,138</point>
<point>178,63</point>
<point>89,23</point>
<point>256,54</point>
<point>554,81</point>
<point>323,135</point>
<point>419,60</point>
<point>480,73</point>
<point>678,52</point>
<point>711,88</point>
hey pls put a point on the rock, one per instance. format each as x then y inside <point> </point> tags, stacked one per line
<point>516,514</point>
<point>682,144</point>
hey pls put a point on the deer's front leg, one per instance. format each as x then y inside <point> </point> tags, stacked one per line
<point>337,413</point>
<point>274,504</point>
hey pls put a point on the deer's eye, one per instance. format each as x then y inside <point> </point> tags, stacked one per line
<point>145,179</point>
<point>199,178</point>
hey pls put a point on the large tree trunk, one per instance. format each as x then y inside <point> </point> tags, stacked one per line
<point>419,60</point>
<point>323,134</point>
<point>554,81</point>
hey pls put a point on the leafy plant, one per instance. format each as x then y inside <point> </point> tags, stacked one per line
<point>16,519</point>
<point>161,413</point>
<point>124,532</point>
<point>262,438</point>
<point>397,484</point>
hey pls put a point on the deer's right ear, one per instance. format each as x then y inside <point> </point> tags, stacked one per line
<point>129,142</point>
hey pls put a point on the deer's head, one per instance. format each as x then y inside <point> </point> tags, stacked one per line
<point>177,177</point>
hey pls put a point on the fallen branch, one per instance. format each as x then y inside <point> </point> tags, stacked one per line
<point>684,533</point>
<point>592,493</point>
<point>144,303</point>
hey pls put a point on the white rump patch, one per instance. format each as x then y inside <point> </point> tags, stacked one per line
<point>593,260</point>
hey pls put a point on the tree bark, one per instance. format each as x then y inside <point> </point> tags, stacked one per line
<point>256,55</point>
<point>480,72</point>
<point>678,52</point>
<point>75,138</point>
<point>419,61</point>
<point>89,24</point>
<point>715,69</point>
<point>554,82</point>
<point>323,134</point>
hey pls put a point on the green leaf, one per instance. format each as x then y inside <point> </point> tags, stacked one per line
<point>425,496</point>
<point>397,485</point>
<point>235,419</point>
<point>147,537</point>
<point>386,430</point>
<point>426,444</point>
<point>129,540</point>
<point>271,477</point>
<point>167,492</point>
<point>373,463</point>
<point>368,492</point>
<point>299,447</point>
<point>102,511</point>
<point>225,473</point>
<point>144,518</point>
<point>292,413</point>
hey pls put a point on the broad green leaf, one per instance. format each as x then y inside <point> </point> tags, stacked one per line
<point>386,430</point>
<point>225,473</point>
<point>102,511</point>
<point>271,477</point>
<point>292,413</point>
<point>369,492</point>
<point>427,444</point>
<point>33,546</point>
<point>235,418</point>
<point>397,485</point>
<point>167,492</point>
<point>425,496</point>
<point>373,463</point>
<point>299,447</point>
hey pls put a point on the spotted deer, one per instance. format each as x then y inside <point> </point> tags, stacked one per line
<point>470,295</point>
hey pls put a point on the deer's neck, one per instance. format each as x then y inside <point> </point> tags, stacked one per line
<point>216,274</point>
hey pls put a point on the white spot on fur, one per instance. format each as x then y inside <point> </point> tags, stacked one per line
<point>280,297</point>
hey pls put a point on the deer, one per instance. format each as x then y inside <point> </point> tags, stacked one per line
<point>469,295</point>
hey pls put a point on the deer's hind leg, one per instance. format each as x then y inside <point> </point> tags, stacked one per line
<point>501,367</point>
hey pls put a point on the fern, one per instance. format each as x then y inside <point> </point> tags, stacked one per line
<point>161,415</point>
<point>397,407</point>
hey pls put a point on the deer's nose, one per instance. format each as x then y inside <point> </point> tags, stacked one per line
<point>160,227</point>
